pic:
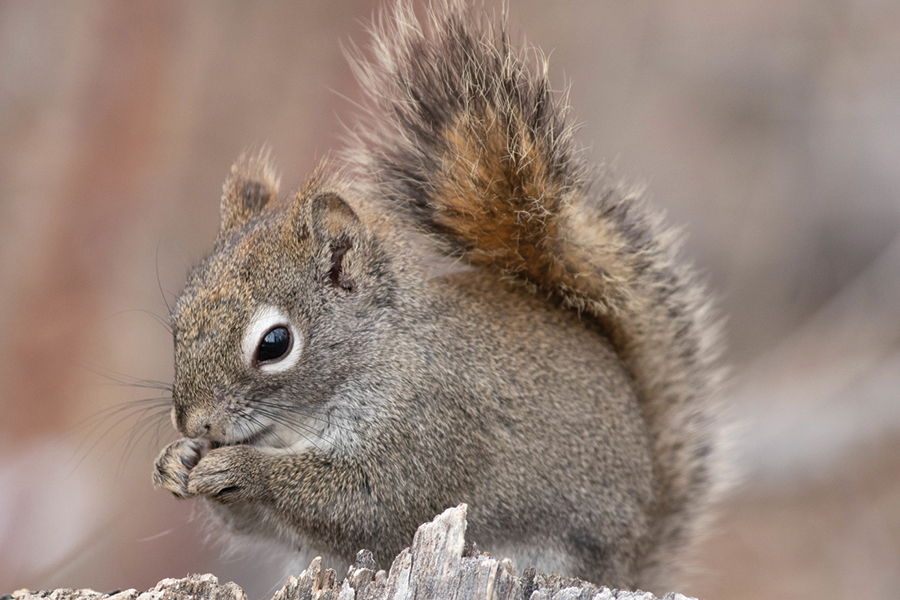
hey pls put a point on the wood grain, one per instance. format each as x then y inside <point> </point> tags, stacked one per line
<point>437,566</point>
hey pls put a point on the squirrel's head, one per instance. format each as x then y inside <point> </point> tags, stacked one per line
<point>271,325</point>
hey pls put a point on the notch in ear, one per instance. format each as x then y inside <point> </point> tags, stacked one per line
<point>251,186</point>
<point>338,231</point>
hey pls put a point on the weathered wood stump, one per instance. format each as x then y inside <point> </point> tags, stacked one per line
<point>437,566</point>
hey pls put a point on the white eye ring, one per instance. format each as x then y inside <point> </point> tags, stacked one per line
<point>266,318</point>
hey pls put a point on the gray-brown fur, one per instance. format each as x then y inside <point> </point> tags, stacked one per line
<point>563,388</point>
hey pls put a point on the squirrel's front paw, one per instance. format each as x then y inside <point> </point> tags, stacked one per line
<point>227,474</point>
<point>175,463</point>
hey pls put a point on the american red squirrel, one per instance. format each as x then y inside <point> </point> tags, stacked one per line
<point>334,392</point>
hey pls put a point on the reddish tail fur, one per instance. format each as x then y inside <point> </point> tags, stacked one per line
<point>470,143</point>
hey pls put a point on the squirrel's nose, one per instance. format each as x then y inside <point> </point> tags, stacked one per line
<point>202,418</point>
<point>196,426</point>
<point>191,423</point>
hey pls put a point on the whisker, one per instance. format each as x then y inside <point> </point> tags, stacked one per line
<point>159,319</point>
<point>295,421</point>
<point>130,432</point>
<point>124,412</point>
<point>109,411</point>
<point>129,412</point>
<point>157,434</point>
<point>138,432</point>
<point>252,419</point>
<point>128,381</point>
<point>306,412</point>
<point>159,282</point>
<point>289,418</point>
<point>301,429</point>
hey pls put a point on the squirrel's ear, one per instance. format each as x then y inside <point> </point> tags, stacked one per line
<point>338,231</point>
<point>251,186</point>
<point>331,217</point>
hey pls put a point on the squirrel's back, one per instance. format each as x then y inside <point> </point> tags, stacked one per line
<point>467,141</point>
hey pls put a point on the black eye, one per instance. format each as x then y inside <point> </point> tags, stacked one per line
<point>274,345</point>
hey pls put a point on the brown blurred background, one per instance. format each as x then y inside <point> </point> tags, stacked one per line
<point>769,129</point>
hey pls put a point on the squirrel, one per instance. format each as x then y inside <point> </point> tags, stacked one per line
<point>560,376</point>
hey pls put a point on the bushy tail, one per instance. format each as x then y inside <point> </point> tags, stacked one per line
<point>467,138</point>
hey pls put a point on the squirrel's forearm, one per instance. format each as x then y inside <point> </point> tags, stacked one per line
<point>329,499</point>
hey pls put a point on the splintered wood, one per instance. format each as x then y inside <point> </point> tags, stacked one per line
<point>437,566</point>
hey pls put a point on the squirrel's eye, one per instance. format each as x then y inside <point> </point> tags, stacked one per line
<point>271,343</point>
<point>274,346</point>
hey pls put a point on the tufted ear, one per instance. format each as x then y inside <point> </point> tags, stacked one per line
<point>251,186</point>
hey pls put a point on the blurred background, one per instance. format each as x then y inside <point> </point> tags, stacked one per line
<point>769,130</point>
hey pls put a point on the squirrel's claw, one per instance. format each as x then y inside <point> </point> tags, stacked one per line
<point>226,474</point>
<point>172,469</point>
